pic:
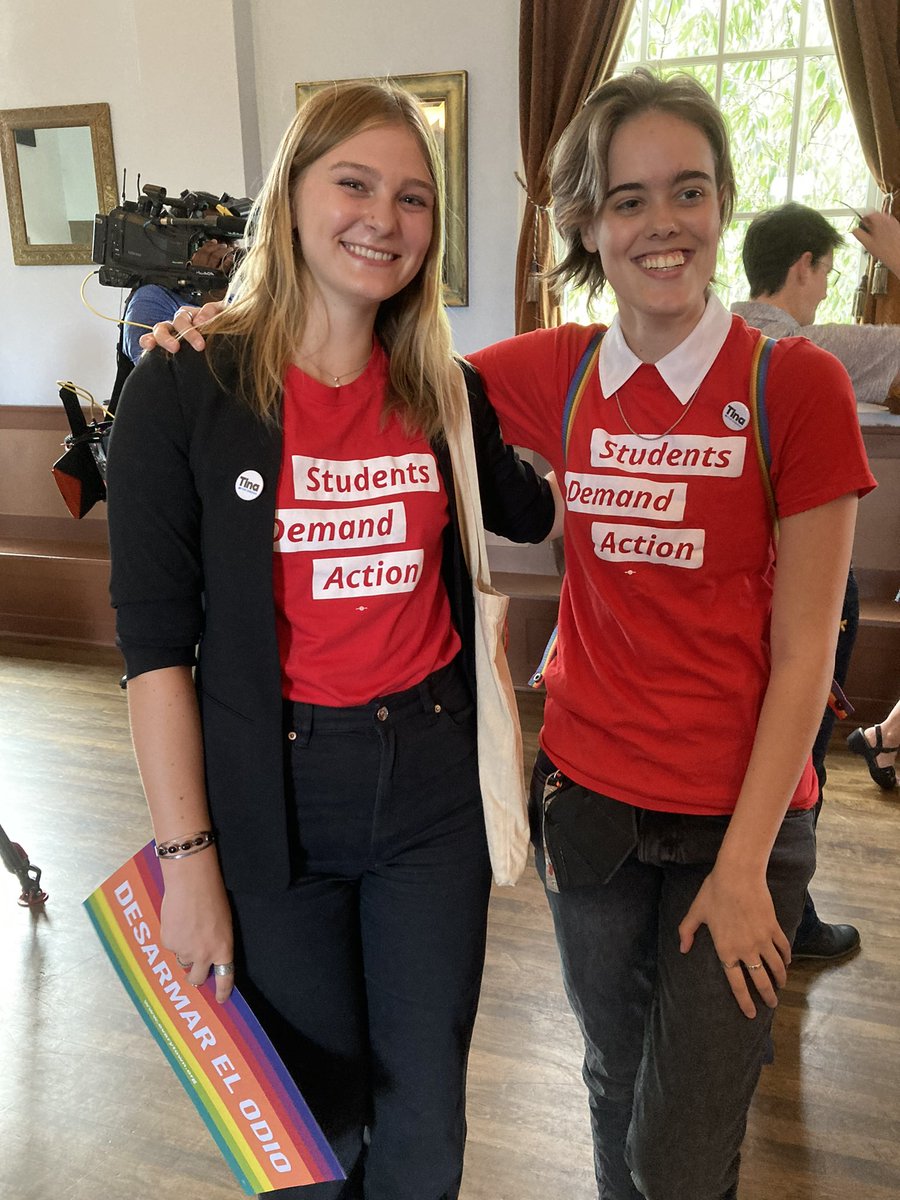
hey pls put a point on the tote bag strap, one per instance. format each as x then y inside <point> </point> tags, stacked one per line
<point>460,442</point>
<point>500,757</point>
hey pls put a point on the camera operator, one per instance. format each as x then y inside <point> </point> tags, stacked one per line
<point>151,303</point>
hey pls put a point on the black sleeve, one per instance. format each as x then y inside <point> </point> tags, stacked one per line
<point>156,580</point>
<point>516,502</point>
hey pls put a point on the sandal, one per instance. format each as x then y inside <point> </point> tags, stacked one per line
<point>885,777</point>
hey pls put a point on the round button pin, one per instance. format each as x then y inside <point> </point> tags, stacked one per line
<point>736,415</point>
<point>249,485</point>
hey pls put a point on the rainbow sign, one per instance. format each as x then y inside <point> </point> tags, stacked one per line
<point>218,1052</point>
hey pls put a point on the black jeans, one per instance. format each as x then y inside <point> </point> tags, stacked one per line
<point>366,972</point>
<point>670,1061</point>
<point>842,655</point>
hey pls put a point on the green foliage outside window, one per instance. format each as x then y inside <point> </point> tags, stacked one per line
<point>773,71</point>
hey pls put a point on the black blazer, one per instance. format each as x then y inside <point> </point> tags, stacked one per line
<point>192,576</point>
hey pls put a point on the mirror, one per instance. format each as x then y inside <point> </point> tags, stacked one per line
<point>60,171</point>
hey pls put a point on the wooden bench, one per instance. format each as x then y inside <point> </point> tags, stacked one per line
<point>54,570</point>
<point>55,590</point>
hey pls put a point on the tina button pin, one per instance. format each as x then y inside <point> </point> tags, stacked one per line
<point>249,485</point>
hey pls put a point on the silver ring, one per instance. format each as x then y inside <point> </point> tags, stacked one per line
<point>185,312</point>
<point>754,966</point>
<point>185,966</point>
<point>224,968</point>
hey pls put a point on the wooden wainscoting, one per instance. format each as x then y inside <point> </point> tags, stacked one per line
<point>54,570</point>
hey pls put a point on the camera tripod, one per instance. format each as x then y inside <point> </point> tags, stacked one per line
<point>16,860</point>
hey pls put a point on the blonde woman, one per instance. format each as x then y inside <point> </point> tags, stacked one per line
<point>321,766</point>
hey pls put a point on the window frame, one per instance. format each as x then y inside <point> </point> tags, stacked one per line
<point>800,53</point>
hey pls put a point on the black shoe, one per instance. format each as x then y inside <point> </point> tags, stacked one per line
<point>885,777</point>
<point>826,941</point>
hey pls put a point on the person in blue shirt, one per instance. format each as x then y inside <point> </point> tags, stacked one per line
<point>151,303</point>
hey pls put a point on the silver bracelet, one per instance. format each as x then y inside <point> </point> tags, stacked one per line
<point>183,847</point>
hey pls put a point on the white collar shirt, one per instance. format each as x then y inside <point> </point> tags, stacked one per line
<point>682,369</point>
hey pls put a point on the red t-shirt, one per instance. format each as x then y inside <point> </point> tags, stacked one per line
<point>361,606</point>
<point>663,659</point>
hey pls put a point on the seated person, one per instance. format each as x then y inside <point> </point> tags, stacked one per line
<point>788,256</point>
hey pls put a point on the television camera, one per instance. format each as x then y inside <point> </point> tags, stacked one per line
<point>148,240</point>
<point>152,239</point>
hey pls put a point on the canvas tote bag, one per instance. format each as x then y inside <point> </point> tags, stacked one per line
<point>500,765</point>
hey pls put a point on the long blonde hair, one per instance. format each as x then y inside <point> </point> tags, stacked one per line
<point>266,321</point>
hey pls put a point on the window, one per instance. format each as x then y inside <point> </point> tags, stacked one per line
<point>773,71</point>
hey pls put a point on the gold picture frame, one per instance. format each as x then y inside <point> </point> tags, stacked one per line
<point>19,133</point>
<point>443,95</point>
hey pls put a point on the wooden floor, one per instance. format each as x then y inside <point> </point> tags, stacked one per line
<point>89,1109</point>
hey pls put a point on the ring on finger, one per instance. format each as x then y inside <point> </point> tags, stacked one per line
<point>185,966</point>
<point>754,966</point>
<point>224,968</point>
<point>729,966</point>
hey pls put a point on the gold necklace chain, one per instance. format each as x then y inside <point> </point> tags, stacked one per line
<point>655,437</point>
<point>337,378</point>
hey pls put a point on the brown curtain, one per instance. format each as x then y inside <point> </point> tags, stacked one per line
<point>565,50</point>
<point>867,40</point>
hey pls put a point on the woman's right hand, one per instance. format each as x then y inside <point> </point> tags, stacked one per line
<point>184,326</point>
<point>196,918</point>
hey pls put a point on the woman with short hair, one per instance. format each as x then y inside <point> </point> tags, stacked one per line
<point>693,664</point>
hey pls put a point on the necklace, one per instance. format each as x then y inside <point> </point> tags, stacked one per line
<point>655,437</point>
<point>337,378</point>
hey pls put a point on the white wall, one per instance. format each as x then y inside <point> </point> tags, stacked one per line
<point>167,71</point>
<point>309,40</point>
<point>184,84</point>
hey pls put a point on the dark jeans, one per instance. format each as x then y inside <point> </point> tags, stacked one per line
<point>366,972</point>
<point>842,654</point>
<point>670,1061</point>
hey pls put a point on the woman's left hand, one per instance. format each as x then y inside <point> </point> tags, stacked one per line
<point>751,945</point>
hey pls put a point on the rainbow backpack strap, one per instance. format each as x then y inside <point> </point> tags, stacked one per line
<point>759,370</point>
<point>577,385</point>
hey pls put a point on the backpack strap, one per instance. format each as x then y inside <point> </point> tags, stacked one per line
<point>759,370</point>
<point>577,385</point>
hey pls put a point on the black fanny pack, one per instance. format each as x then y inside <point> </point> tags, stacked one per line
<point>586,836</point>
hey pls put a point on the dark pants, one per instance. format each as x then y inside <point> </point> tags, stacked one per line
<point>842,654</point>
<point>671,1063</point>
<point>366,972</point>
